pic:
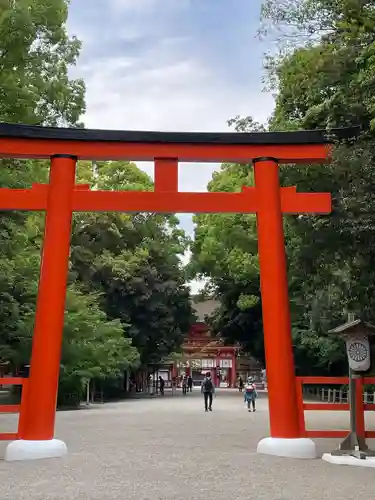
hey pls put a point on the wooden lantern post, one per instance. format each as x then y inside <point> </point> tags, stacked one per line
<point>356,335</point>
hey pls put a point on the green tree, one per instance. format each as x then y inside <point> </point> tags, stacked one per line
<point>225,251</point>
<point>133,261</point>
<point>35,56</point>
<point>322,78</point>
<point>127,301</point>
<point>328,80</point>
<point>93,347</point>
<point>327,83</point>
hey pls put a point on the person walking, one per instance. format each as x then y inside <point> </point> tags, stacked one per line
<point>240,384</point>
<point>184,385</point>
<point>190,383</point>
<point>250,394</point>
<point>161,385</point>
<point>208,390</point>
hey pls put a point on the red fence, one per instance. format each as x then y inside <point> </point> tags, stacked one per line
<point>361,406</point>
<point>9,436</point>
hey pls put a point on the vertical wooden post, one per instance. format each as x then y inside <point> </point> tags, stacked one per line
<point>301,410</point>
<point>23,411</point>
<point>215,377</point>
<point>166,175</point>
<point>360,408</point>
<point>39,420</point>
<point>233,378</point>
<point>283,404</point>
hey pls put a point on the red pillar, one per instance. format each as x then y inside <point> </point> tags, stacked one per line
<point>39,421</point>
<point>166,175</point>
<point>283,406</point>
<point>360,408</point>
<point>234,371</point>
<point>217,367</point>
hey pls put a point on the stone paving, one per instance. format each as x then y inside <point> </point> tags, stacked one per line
<point>169,448</point>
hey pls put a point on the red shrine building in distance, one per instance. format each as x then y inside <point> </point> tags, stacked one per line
<point>203,352</point>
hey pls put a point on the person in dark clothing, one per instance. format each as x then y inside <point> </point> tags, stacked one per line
<point>161,385</point>
<point>208,390</point>
<point>184,384</point>
<point>190,383</point>
<point>240,384</point>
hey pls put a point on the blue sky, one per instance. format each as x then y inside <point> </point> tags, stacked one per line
<point>186,65</point>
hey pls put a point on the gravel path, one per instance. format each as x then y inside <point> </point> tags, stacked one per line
<point>171,449</point>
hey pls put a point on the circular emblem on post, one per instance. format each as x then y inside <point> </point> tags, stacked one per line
<point>358,351</point>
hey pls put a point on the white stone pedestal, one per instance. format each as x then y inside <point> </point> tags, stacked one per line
<point>348,460</point>
<point>289,448</point>
<point>33,450</point>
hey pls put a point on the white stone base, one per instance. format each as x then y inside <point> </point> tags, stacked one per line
<point>348,460</point>
<point>289,448</point>
<point>33,450</point>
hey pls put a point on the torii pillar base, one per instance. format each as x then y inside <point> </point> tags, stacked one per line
<point>33,450</point>
<point>288,448</point>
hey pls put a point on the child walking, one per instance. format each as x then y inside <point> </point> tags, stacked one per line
<point>250,394</point>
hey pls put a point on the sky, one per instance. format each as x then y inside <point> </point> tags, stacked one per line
<point>170,65</point>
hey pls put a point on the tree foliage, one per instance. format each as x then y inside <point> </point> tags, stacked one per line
<point>133,260</point>
<point>35,54</point>
<point>127,303</point>
<point>225,250</point>
<point>322,78</point>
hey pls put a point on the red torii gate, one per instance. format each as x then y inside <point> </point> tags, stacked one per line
<point>62,196</point>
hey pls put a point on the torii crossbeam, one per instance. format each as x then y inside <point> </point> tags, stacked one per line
<point>62,196</point>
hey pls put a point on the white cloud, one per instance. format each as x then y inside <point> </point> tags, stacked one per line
<point>121,6</point>
<point>181,95</point>
<point>145,7</point>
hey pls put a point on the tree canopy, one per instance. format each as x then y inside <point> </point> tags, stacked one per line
<point>322,78</point>
<point>127,304</point>
<point>133,260</point>
<point>36,53</point>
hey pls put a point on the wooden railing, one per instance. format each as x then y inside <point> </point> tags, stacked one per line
<point>361,407</point>
<point>9,436</point>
